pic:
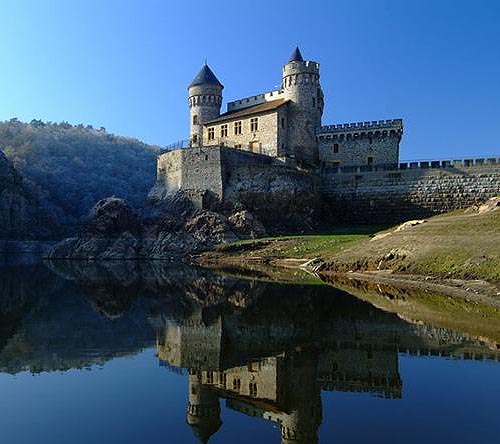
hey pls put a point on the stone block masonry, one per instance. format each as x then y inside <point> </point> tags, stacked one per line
<point>229,174</point>
<point>410,191</point>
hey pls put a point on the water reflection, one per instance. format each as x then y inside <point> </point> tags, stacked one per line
<point>266,350</point>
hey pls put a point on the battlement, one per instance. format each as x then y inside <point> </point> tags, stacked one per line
<point>312,66</point>
<point>254,100</point>
<point>421,164</point>
<point>390,124</point>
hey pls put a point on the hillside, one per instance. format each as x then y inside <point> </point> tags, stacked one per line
<point>23,212</point>
<point>73,167</point>
<point>461,244</point>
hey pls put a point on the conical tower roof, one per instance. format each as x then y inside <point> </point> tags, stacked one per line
<point>296,56</point>
<point>204,430</point>
<point>205,77</point>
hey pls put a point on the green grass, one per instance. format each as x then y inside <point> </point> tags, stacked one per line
<point>323,245</point>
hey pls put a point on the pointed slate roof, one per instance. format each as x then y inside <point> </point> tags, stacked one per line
<point>296,56</point>
<point>205,77</point>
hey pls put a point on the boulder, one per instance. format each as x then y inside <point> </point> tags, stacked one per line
<point>244,224</point>
<point>208,228</point>
<point>111,217</point>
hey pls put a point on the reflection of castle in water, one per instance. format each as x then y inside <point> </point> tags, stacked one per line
<point>272,359</point>
<point>266,349</point>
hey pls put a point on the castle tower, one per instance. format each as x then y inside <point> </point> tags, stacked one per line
<point>203,413</point>
<point>300,425</point>
<point>301,86</point>
<point>205,100</point>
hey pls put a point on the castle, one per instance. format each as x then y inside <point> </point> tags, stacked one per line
<point>270,154</point>
<point>286,123</point>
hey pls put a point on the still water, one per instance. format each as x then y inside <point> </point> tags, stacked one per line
<point>150,353</point>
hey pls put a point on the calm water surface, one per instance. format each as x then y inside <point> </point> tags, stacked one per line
<point>140,353</point>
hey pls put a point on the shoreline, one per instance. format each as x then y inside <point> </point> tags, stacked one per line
<point>473,290</point>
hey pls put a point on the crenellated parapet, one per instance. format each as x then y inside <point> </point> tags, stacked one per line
<point>391,127</point>
<point>254,100</point>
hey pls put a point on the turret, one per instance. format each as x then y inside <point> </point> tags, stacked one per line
<point>203,413</point>
<point>205,100</point>
<point>301,86</point>
<point>300,424</point>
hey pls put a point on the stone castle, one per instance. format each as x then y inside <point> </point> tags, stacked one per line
<point>267,150</point>
<point>286,123</point>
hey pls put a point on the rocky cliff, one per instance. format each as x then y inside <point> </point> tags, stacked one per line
<point>113,231</point>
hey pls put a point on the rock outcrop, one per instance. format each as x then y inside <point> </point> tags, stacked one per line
<point>112,231</point>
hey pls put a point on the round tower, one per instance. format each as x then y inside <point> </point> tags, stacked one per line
<point>205,100</point>
<point>203,413</point>
<point>301,86</point>
<point>300,425</point>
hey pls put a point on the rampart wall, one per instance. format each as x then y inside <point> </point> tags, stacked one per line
<point>406,191</point>
<point>193,170</point>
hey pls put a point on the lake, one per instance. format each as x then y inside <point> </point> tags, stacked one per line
<point>159,352</point>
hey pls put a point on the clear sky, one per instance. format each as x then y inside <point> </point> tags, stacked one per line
<point>125,64</point>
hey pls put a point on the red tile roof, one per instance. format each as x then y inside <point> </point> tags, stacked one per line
<point>255,109</point>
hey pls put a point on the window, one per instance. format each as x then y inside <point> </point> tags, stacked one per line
<point>314,102</point>
<point>211,133</point>
<point>370,160</point>
<point>335,147</point>
<point>283,122</point>
<point>252,388</point>
<point>254,124</point>
<point>195,119</point>
<point>210,377</point>
<point>237,145</point>
<point>223,130</point>
<point>236,384</point>
<point>195,138</point>
<point>237,128</point>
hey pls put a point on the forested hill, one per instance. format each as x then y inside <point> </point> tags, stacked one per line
<point>74,166</point>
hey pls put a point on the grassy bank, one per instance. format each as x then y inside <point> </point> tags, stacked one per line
<point>323,245</point>
<point>459,245</point>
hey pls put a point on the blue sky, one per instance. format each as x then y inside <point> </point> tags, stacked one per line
<point>125,64</point>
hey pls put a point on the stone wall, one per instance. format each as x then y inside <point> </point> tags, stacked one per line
<point>409,191</point>
<point>280,196</point>
<point>266,140</point>
<point>301,85</point>
<point>195,171</point>
<point>363,143</point>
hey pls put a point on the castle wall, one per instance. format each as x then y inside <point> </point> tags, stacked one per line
<point>410,191</point>
<point>358,151</point>
<point>254,100</point>
<point>194,170</point>
<point>265,140</point>
<point>363,143</point>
